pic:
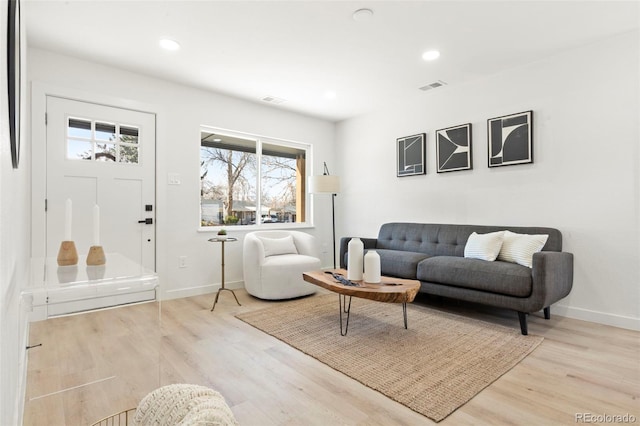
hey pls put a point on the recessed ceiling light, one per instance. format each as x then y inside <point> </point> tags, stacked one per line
<point>362,15</point>
<point>168,44</point>
<point>430,55</point>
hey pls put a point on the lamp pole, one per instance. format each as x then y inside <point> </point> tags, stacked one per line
<point>327,184</point>
<point>333,217</point>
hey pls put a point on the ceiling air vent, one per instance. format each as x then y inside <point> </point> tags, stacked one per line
<point>433,85</point>
<point>273,100</point>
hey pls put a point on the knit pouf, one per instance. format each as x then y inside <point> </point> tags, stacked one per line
<point>184,405</point>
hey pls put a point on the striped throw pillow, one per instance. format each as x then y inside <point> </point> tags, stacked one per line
<point>484,246</point>
<point>519,248</point>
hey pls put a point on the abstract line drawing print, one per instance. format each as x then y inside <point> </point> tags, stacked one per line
<point>453,148</point>
<point>411,155</point>
<point>511,139</point>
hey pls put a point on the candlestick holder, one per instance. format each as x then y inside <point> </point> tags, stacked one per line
<point>96,256</point>
<point>67,255</point>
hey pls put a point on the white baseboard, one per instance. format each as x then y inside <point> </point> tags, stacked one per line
<point>619,321</point>
<point>197,291</point>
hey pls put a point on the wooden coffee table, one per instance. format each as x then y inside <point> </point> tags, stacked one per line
<point>390,290</point>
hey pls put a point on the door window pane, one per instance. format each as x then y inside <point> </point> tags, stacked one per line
<point>128,154</point>
<point>128,134</point>
<point>79,150</point>
<point>102,141</point>
<point>105,152</point>
<point>78,128</point>
<point>105,131</point>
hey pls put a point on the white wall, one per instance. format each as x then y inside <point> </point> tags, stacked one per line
<point>584,179</point>
<point>14,252</point>
<point>180,112</point>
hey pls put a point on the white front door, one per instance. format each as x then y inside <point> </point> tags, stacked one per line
<point>104,156</point>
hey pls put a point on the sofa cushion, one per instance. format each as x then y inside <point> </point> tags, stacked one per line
<point>401,264</point>
<point>519,248</point>
<point>495,277</point>
<point>484,246</point>
<point>278,246</point>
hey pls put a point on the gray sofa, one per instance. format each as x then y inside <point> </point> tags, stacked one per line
<point>434,254</point>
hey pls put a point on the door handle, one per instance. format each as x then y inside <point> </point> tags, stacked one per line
<point>147,221</point>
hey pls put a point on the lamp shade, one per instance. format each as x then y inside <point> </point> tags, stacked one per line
<point>324,184</point>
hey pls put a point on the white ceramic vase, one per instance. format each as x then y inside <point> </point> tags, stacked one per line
<point>372,267</point>
<point>355,261</point>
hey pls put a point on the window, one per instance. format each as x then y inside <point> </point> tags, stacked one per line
<point>247,180</point>
<point>91,140</point>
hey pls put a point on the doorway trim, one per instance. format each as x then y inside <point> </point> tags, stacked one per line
<point>39,93</point>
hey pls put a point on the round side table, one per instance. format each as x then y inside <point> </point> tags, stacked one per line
<point>222,241</point>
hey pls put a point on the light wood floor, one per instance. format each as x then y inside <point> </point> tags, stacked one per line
<point>95,364</point>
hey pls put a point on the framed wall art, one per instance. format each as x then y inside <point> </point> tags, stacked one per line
<point>453,148</point>
<point>13,78</point>
<point>510,139</point>
<point>411,155</point>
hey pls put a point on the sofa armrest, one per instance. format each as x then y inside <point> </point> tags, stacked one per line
<point>369,243</point>
<point>552,275</point>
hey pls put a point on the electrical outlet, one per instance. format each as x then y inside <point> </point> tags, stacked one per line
<point>182,261</point>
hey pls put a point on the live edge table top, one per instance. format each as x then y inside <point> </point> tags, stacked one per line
<point>390,290</point>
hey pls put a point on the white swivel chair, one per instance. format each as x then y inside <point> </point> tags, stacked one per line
<point>273,263</point>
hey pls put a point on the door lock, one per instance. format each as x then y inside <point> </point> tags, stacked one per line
<point>147,221</point>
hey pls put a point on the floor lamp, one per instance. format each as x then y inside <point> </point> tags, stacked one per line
<point>327,184</point>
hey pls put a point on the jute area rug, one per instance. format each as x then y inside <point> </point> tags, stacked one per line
<point>446,359</point>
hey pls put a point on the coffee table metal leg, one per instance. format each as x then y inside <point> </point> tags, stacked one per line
<point>342,300</point>
<point>404,313</point>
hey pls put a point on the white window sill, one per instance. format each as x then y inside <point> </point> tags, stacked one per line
<point>248,228</point>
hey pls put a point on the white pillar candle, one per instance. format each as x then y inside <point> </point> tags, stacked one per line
<point>67,220</point>
<point>96,225</point>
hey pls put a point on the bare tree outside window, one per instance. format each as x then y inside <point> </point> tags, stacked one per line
<point>235,166</point>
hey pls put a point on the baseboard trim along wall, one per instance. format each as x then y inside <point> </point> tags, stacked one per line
<point>604,318</point>
<point>199,290</point>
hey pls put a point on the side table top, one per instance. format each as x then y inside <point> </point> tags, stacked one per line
<point>220,240</point>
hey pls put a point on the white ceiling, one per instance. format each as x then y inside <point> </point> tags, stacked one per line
<point>299,50</point>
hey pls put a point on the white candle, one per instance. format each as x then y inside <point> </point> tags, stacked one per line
<point>67,220</point>
<point>96,225</point>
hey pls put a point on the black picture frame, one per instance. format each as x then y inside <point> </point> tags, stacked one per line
<point>510,139</point>
<point>453,148</point>
<point>411,155</point>
<point>13,78</point>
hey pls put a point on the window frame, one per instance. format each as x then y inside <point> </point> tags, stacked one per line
<point>260,140</point>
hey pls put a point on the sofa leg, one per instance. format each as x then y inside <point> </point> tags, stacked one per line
<point>547,312</point>
<point>522,316</point>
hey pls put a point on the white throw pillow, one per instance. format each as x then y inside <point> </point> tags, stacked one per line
<point>278,246</point>
<point>519,248</point>
<point>484,246</point>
